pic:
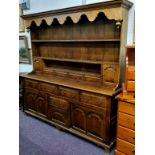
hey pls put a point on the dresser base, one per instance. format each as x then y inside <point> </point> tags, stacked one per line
<point>106,147</point>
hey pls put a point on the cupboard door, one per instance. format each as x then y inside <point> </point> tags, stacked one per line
<point>78,118</point>
<point>94,125</point>
<point>30,99</point>
<point>59,111</point>
<point>41,102</point>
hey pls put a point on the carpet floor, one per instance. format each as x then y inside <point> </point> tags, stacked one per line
<point>39,138</point>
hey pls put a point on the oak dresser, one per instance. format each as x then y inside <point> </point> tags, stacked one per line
<point>78,61</point>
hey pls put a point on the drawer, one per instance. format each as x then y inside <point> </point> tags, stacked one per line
<point>59,103</point>
<point>90,98</point>
<point>125,147</point>
<point>69,93</point>
<point>118,153</point>
<point>48,88</point>
<point>59,116</point>
<point>59,111</point>
<point>32,84</point>
<point>130,85</point>
<point>126,120</point>
<point>131,73</point>
<point>125,107</point>
<point>126,134</point>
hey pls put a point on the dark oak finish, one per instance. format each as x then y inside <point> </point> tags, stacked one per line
<point>77,68</point>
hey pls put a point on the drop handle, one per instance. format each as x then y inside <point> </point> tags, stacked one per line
<point>133,151</point>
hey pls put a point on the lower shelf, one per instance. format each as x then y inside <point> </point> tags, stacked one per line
<point>107,148</point>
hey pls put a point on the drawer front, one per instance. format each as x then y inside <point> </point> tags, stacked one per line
<point>59,103</point>
<point>131,73</point>
<point>32,84</point>
<point>126,134</point>
<point>125,147</point>
<point>125,107</point>
<point>48,88</point>
<point>118,153</point>
<point>69,93</point>
<point>60,117</point>
<point>130,85</point>
<point>59,111</point>
<point>97,100</point>
<point>126,120</point>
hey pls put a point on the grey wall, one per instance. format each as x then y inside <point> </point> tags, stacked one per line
<point>46,5</point>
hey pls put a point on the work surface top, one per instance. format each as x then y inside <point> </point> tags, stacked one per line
<point>104,90</point>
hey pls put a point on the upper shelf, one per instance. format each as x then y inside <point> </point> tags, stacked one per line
<point>73,60</point>
<point>76,41</point>
<point>113,10</point>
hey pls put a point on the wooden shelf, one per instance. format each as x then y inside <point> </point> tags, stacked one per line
<point>79,61</point>
<point>73,60</point>
<point>76,41</point>
<point>72,71</point>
